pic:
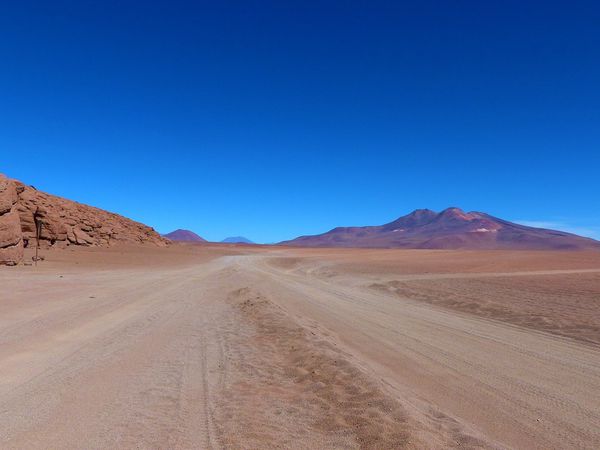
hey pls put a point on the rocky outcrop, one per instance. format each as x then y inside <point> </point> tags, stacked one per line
<point>62,223</point>
<point>11,239</point>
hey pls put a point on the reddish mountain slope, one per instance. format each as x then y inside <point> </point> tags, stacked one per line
<point>449,229</point>
<point>184,236</point>
<point>63,222</point>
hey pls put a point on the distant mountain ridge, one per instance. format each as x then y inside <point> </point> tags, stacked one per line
<point>451,228</point>
<point>184,236</point>
<point>237,240</point>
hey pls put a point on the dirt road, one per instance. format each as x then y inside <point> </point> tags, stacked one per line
<point>237,352</point>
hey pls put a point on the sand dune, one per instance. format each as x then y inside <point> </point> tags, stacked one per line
<point>255,347</point>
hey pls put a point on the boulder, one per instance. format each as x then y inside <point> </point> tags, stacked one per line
<point>8,194</point>
<point>82,238</point>
<point>11,236</point>
<point>10,229</point>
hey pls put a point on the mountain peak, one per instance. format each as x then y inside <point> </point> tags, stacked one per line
<point>454,213</point>
<point>237,240</point>
<point>184,236</point>
<point>421,212</point>
<point>452,210</point>
<point>416,218</point>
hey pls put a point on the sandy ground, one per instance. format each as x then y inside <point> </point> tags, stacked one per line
<point>256,347</point>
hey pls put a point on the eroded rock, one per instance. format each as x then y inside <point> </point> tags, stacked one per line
<point>11,237</point>
<point>63,222</point>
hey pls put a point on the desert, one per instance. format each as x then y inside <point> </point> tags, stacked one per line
<point>211,346</point>
<point>279,225</point>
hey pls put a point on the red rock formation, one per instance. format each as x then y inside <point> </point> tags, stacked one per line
<point>11,242</point>
<point>63,222</point>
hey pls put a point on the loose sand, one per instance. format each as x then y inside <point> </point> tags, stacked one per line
<point>200,346</point>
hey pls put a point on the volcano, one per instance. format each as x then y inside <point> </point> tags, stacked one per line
<point>184,236</point>
<point>451,228</point>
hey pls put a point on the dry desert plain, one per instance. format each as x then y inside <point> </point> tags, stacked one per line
<point>212,346</point>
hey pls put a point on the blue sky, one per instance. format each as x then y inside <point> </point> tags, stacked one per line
<point>276,119</point>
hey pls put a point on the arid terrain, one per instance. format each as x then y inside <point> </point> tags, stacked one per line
<point>252,347</point>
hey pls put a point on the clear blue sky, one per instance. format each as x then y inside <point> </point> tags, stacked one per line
<point>275,119</point>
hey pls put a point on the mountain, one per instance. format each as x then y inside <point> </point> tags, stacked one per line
<point>184,236</point>
<point>450,229</point>
<point>237,240</point>
<point>63,222</point>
